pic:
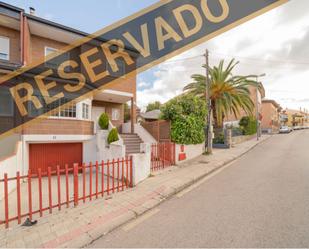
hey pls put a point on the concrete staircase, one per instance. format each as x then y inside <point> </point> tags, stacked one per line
<point>132,143</point>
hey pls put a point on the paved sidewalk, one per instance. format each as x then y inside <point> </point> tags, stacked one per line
<point>77,227</point>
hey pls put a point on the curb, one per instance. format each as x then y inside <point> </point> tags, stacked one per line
<point>164,197</point>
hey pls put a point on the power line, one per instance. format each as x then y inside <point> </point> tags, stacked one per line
<point>263,60</point>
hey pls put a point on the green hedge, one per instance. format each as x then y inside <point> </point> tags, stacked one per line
<point>187,115</point>
<point>104,121</point>
<point>112,136</point>
<point>248,125</point>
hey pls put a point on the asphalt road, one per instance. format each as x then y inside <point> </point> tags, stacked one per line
<point>261,200</point>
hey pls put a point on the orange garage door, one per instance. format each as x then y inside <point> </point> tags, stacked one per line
<point>50,155</point>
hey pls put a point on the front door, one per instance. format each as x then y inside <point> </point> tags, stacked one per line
<point>95,115</point>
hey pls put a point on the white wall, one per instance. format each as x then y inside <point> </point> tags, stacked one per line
<point>11,165</point>
<point>8,145</point>
<point>141,164</point>
<point>191,151</point>
<point>108,152</point>
<point>140,131</point>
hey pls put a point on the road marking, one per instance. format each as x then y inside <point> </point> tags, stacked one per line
<point>205,179</point>
<point>140,220</point>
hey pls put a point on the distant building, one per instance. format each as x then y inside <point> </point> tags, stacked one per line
<point>270,122</point>
<point>294,118</point>
<point>256,96</point>
<point>149,116</point>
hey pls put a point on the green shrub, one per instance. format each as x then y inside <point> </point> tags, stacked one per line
<point>104,121</point>
<point>112,136</point>
<point>237,131</point>
<point>248,125</point>
<point>188,130</point>
<point>187,115</point>
<point>219,139</point>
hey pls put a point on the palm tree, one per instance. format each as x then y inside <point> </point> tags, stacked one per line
<point>228,93</point>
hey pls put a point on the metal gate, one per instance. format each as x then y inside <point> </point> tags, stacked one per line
<point>162,155</point>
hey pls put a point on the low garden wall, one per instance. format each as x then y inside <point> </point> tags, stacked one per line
<point>241,139</point>
<point>141,164</point>
<point>188,152</point>
<point>11,165</point>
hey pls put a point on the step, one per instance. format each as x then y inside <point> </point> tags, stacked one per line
<point>133,148</point>
<point>128,135</point>
<point>133,152</point>
<point>132,142</point>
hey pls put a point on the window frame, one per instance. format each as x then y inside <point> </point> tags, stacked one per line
<point>8,52</point>
<point>54,50</point>
<point>85,110</point>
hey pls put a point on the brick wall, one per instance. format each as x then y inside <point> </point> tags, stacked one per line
<point>270,116</point>
<point>38,44</point>
<point>231,117</point>
<point>60,127</point>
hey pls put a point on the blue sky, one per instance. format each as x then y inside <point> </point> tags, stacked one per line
<point>85,15</point>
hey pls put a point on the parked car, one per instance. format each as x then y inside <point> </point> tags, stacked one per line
<point>285,129</point>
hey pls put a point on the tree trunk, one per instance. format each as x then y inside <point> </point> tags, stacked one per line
<point>217,126</point>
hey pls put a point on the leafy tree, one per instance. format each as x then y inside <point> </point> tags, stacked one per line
<point>153,106</point>
<point>187,115</point>
<point>228,93</point>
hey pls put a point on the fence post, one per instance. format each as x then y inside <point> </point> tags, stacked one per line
<point>164,155</point>
<point>96,179</point>
<point>131,172</point>
<point>174,155</point>
<point>50,199</point>
<point>18,197</point>
<point>6,200</point>
<point>40,191</point>
<point>75,184</point>
<point>59,187</point>
<point>29,195</point>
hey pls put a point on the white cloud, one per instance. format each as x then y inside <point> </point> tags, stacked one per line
<point>268,44</point>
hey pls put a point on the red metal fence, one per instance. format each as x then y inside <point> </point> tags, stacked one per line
<point>162,155</point>
<point>45,191</point>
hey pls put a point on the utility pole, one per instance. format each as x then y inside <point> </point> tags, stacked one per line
<point>257,112</point>
<point>258,127</point>
<point>208,142</point>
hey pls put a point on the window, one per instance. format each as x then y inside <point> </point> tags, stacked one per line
<point>115,114</point>
<point>49,50</point>
<point>6,103</point>
<point>55,62</point>
<point>68,112</point>
<point>85,113</point>
<point>4,48</point>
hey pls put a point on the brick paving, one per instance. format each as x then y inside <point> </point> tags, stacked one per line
<point>79,226</point>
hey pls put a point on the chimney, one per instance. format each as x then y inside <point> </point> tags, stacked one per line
<point>32,11</point>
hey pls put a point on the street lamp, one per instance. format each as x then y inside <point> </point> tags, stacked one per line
<point>257,109</point>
